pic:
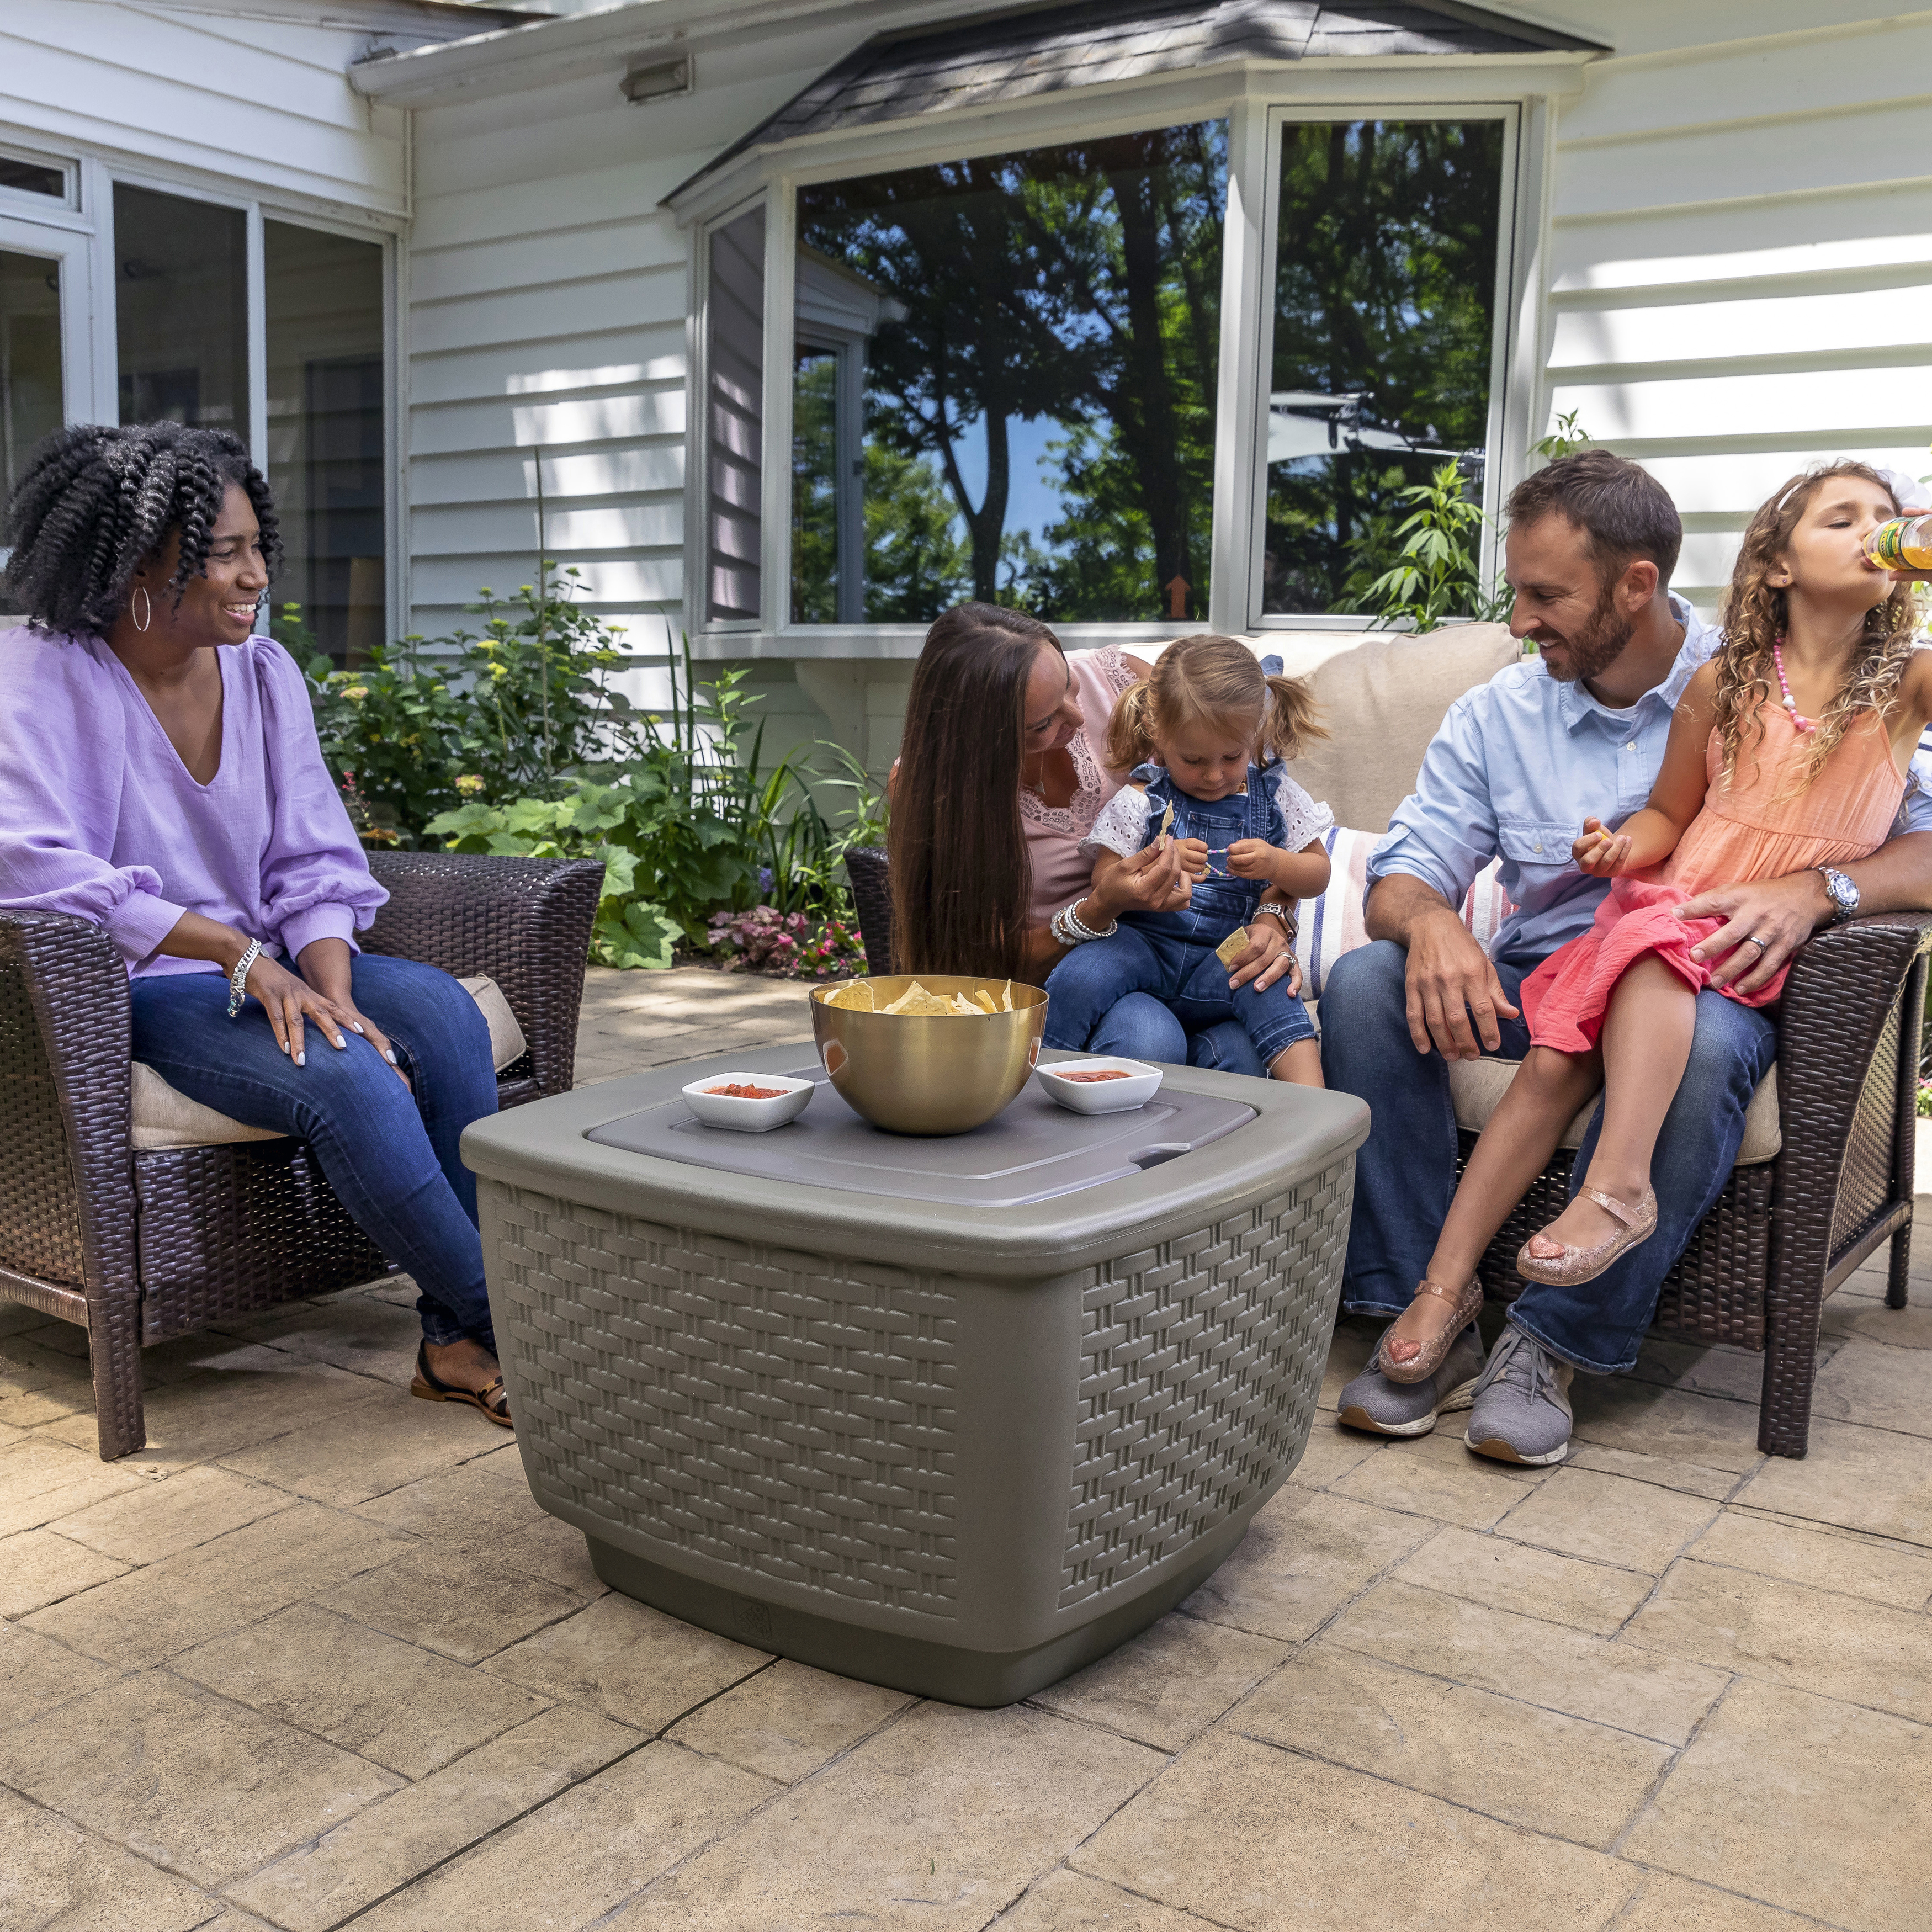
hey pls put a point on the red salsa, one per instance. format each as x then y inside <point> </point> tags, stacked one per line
<point>739,1091</point>
<point>1104,1073</point>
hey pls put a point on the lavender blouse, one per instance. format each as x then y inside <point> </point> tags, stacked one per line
<point>100,818</point>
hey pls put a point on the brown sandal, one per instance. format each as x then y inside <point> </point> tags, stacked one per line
<point>493,1402</point>
<point>1467,1304</point>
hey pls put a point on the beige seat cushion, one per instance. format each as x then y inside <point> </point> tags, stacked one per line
<point>163,1117</point>
<point>1477,1086</point>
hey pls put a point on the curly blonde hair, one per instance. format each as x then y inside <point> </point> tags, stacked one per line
<point>1207,677</point>
<point>1755,616</point>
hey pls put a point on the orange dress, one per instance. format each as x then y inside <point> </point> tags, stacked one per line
<point>1756,827</point>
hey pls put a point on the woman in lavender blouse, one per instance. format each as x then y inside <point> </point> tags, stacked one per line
<point>160,775</point>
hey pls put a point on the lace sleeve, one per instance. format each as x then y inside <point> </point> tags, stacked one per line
<point>1302,818</point>
<point>1111,662</point>
<point>1121,826</point>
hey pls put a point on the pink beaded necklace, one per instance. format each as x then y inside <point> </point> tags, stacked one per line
<point>1798,723</point>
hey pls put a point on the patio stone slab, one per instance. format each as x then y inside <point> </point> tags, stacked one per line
<point>37,1567</point>
<point>555,1552</point>
<point>940,1820</point>
<point>1775,1545</point>
<point>353,1330</point>
<point>1868,1479</point>
<point>1704,1368</point>
<point>161,1519</point>
<point>36,1674</point>
<point>1331,1453</point>
<point>1578,1781</point>
<point>1907,1327</point>
<point>573,1862</point>
<point>1761,1802</point>
<point>461,1603</point>
<point>403,1708</point>
<point>1839,1646</point>
<point>462,1508</point>
<point>1608,1519</point>
<point>1663,1472</point>
<point>1621,1412</point>
<point>139,1619</point>
<point>1880,1387</point>
<point>628,1662</point>
<point>190,1781</point>
<point>345,1459</point>
<point>1319,1849</point>
<point>1534,1582</point>
<point>55,1877</point>
<point>1167,1684</point>
<point>1667,1904</point>
<point>1306,1554</point>
<point>42,1481</point>
<point>1066,1901</point>
<point>318,1886</point>
<point>785,1722</point>
<point>39,1383</point>
<point>1525,1658</point>
<point>1436,1476</point>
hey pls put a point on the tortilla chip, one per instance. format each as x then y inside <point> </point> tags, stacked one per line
<point>1232,948</point>
<point>1007,998</point>
<point>965,1008</point>
<point>856,996</point>
<point>916,1003</point>
<point>984,999</point>
<point>1166,821</point>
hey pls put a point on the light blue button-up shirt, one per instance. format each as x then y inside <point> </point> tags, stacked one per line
<point>1518,765</point>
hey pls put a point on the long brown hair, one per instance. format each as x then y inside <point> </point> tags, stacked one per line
<point>1756,614</point>
<point>961,881</point>
<point>1217,678</point>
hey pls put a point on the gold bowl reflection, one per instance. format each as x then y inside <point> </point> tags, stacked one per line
<point>928,1076</point>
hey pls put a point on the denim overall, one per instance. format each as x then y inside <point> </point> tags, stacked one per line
<point>1171,955</point>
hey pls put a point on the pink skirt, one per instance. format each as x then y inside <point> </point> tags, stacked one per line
<point>1564,1000</point>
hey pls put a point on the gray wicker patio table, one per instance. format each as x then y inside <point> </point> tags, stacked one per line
<point>959,1424</point>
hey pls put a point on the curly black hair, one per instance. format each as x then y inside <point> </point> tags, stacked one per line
<point>93,503</point>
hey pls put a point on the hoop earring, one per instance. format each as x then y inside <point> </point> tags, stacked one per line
<point>147,615</point>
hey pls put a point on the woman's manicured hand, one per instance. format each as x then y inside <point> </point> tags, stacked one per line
<point>1252,859</point>
<point>290,1002</point>
<point>327,966</point>
<point>1269,955</point>
<point>1149,881</point>
<point>1600,853</point>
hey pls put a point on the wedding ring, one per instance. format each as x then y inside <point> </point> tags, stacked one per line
<point>1762,945</point>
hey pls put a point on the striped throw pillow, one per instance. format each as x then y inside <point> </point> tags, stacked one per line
<point>1333,925</point>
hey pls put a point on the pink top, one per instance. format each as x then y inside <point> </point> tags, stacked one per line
<point>99,817</point>
<point>1054,832</point>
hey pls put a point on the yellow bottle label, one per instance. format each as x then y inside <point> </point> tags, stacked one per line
<point>1905,543</point>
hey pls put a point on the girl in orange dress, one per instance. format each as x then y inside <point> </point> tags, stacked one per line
<point>1788,751</point>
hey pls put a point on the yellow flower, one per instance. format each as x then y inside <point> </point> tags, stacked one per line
<point>469,784</point>
<point>355,693</point>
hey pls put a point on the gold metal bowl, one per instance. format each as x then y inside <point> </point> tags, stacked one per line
<point>928,1076</point>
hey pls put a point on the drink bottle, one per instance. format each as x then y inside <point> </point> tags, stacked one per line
<point>1905,543</point>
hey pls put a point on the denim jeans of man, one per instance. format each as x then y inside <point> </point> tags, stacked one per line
<point>389,1152</point>
<point>1405,1172</point>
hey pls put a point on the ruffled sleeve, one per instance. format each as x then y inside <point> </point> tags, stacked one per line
<point>1302,817</point>
<point>59,798</point>
<point>315,883</point>
<point>1121,827</point>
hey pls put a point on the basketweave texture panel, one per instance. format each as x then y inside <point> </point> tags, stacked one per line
<point>42,1234</point>
<point>1201,1362</point>
<point>1864,1186</point>
<point>789,1415</point>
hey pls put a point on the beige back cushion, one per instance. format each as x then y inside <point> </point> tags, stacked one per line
<point>163,1117</point>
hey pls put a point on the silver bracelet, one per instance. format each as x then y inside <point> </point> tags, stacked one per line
<point>1282,913</point>
<point>238,980</point>
<point>1070,929</point>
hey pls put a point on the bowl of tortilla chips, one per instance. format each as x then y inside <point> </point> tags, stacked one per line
<point>939,1054</point>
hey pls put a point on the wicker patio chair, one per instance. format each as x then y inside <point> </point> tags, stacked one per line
<point>1785,1232</point>
<point>140,1245</point>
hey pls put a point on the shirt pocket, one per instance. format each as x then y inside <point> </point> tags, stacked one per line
<point>1538,853</point>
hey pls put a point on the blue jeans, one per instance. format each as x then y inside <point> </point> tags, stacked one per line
<point>1182,973</point>
<point>1405,1172</point>
<point>389,1154</point>
<point>1139,1028</point>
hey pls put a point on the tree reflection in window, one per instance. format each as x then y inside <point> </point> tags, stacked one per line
<point>1384,294</point>
<point>1036,336</point>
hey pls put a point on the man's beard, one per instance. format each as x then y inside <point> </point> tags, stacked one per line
<point>1598,645</point>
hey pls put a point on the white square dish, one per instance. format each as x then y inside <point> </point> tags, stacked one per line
<point>749,1116</point>
<point>1098,1096</point>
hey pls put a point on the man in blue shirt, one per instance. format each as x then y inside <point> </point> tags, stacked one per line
<point>1579,729</point>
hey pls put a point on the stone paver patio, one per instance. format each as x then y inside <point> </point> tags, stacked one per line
<point>314,1656</point>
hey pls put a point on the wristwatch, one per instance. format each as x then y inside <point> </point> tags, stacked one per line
<point>1842,894</point>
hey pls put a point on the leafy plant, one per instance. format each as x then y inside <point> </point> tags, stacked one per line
<point>1437,573</point>
<point>802,850</point>
<point>1565,439</point>
<point>788,944</point>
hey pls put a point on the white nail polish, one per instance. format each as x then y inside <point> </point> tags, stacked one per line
<point>388,1056</point>
<point>356,1025</point>
<point>302,1059</point>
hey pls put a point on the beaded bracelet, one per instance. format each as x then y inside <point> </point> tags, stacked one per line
<point>238,980</point>
<point>1067,926</point>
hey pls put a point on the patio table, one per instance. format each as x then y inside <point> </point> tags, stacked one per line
<point>954,1415</point>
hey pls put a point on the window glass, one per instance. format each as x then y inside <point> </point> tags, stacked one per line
<point>30,392</point>
<point>1029,344</point>
<point>25,177</point>
<point>326,459</point>
<point>1384,291</point>
<point>734,417</point>
<point>182,309</point>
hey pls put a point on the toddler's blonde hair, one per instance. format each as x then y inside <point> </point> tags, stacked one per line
<point>1217,679</point>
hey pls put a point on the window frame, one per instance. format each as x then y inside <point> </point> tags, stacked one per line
<point>1257,99</point>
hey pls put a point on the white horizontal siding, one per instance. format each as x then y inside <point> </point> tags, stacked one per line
<point>1740,276</point>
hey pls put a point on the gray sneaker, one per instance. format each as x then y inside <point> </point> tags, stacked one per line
<point>1521,1412</point>
<point>1374,1402</point>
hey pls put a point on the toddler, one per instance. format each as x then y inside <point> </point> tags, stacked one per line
<point>1206,737</point>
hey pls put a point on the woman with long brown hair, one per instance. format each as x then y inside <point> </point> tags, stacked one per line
<point>997,783</point>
